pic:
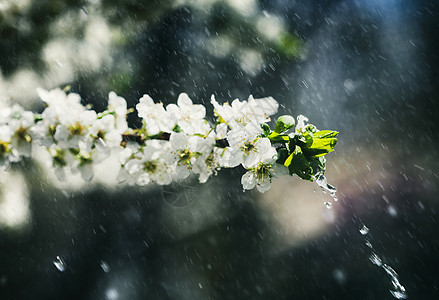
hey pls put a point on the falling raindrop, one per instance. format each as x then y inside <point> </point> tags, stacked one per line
<point>375,259</point>
<point>326,187</point>
<point>60,264</point>
<point>399,294</point>
<point>328,205</point>
<point>364,230</point>
<point>398,290</point>
<point>105,267</point>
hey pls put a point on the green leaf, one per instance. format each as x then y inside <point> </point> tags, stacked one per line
<point>320,147</point>
<point>325,134</point>
<point>265,130</point>
<point>282,155</point>
<point>311,128</point>
<point>284,123</point>
<point>278,138</point>
<point>298,164</point>
<point>318,165</point>
<point>306,138</point>
<point>176,128</point>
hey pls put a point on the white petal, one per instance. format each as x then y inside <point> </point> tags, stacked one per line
<point>60,173</point>
<point>125,154</point>
<point>236,158</point>
<point>122,176</point>
<point>61,133</point>
<point>253,130</point>
<point>184,100</point>
<point>197,111</point>
<point>204,176</point>
<point>265,185</point>
<point>86,172</point>
<point>178,140</point>
<point>279,170</point>
<point>268,155</point>
<point>182,172</point>
<point>146,99</point>
<point>251,159</point>
<point>87,117</point>
<point>133,166</point>
<point>221,131</point>
<point>301,120</point>
<point>43,94</point>
<point>143,179</point>
<point>268,105</point>
<point>248,181</point>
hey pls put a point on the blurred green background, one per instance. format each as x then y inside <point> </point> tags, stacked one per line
<point>365,68</point>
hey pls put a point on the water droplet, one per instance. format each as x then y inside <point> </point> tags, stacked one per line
<point>339,276</point>
<point>328,205</point>
<point>60,264</point>
<point>399,289</point>
<point>391,210</point>
<point>3,280</point>
<point>105,267</point>
<point>323,183</point>
<point>112,294</point>
<point>389,270</point>
<point>199,284</point>
<point>369,244</point>
<point>364,230</point>
<point>399,294</point>
<point>375,259</point>
<point>84,10</point>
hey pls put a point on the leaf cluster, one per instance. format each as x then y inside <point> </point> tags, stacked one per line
<point>302,151</point>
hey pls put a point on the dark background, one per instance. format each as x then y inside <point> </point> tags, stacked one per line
<point>365,68</point>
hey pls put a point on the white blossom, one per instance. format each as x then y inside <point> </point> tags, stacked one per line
<point>248,148</point>
<point>262,174</point>
<point>172,143</point>
<point>15,138</point>
<point>187,150</point>
<point>155,118</point>
<point>301,123</point>
<point>149,164</point>
<point>189,116</point>
<point>118,106</point>
<point>241,113</point>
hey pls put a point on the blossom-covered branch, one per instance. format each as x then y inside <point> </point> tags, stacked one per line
<point>173,142</point>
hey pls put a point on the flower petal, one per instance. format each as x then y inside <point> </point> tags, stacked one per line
<point>248,181</point>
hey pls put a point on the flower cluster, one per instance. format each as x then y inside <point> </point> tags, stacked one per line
<point>173,142</point>
<point>15,139</point>
<point>77,137</point>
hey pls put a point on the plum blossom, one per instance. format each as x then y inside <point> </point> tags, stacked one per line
<point>262,174</point>
<point>75,136</point>
<point>172,143</point>
<point>155,118</point>
<point>248,148</point>
<point>241,113</point>
<point>148,164</point>
<point>118,107</point>
<point>15,138</point>
<point>186,151</point>
<point>189,116</point>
